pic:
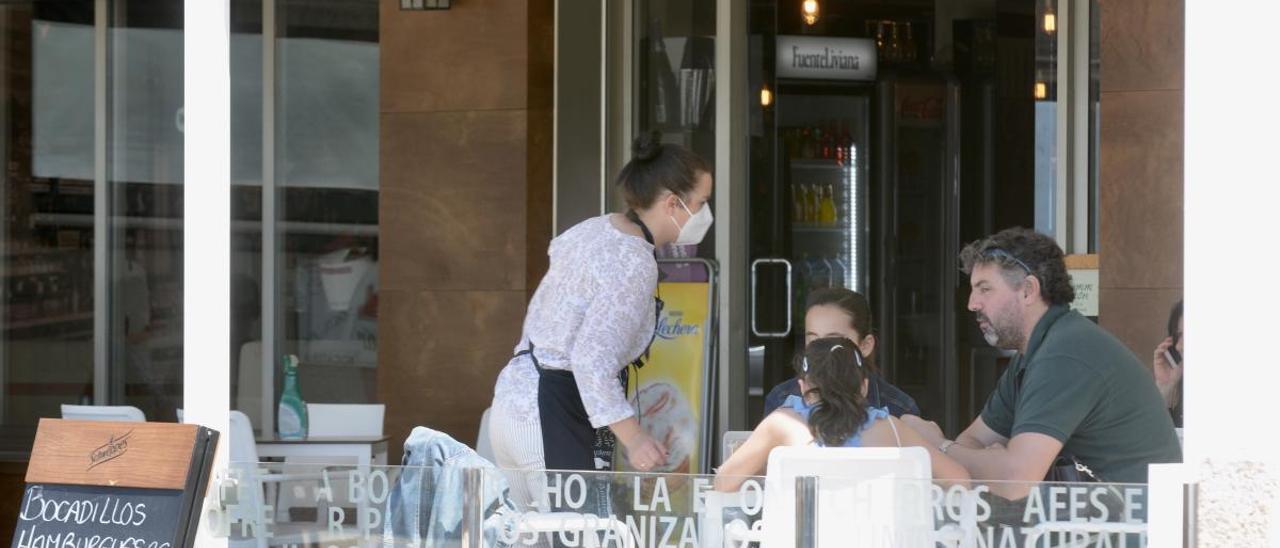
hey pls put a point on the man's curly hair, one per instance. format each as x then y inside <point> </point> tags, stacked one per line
<point>1040,256</point>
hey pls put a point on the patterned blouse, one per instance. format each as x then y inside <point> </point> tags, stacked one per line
<point>593,314</point>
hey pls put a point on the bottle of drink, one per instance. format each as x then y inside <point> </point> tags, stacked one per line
<point>821,148</point>
<point>292,413</point>
<point>882,43</point>
<point>806,144</point>
<point>803,217</point>
<point>845,278</point>
<point>820,273</point>
<point>908,45</point>
<point>895,42</point>
<point>841,156</point>
<point>827,207</point>
<point>797,204</point>
<point>828,144</point>
<point>815,203</point>
<point>846,148</point>
<point>838,271</point>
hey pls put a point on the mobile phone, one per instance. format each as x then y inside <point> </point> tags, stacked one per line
<point>1172,356</point>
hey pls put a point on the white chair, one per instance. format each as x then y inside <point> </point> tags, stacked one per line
<point>249,382</point>
<point>874,496</point>
<point>484,447</point>
<point>344,419</point>
<point>331,420</point>
<point>244,447</point>
<point>251,491</point>
<point>733,439</point>
<point>118,413</point>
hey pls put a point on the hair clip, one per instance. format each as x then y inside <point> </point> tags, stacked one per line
<point>836,347</point>
<point>804,364</point>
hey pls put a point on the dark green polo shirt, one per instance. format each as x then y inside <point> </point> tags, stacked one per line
<point>1084,388</point>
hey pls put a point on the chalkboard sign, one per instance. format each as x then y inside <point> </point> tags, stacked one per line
<point>114,485</point>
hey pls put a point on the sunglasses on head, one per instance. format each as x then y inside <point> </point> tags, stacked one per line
<point>997,253</point>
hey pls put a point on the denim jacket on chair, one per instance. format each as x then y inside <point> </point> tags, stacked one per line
<point>425,504</point>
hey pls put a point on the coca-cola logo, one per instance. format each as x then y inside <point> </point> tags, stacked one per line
<point>115,448</point>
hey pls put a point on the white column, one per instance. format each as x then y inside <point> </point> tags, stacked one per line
<point>207,224</point>
<point>1232,379</point>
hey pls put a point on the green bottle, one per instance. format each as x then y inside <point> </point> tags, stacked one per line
<point>292,414</point>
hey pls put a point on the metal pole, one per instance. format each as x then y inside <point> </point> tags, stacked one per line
<point>472,507</point>
<point>270,242</point>
<point>731,206</point>
<point>1190,511</point>
<point>101,209</point>
<point>806,512</point>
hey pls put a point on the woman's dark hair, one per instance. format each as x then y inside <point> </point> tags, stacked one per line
<point>1021,251</point>
<point>1175,316</point>
<point>831,368</point>
<point>655,167</point>
<point>852,303</point>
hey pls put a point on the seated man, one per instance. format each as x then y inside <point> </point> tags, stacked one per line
<point>1073,387</point>
<point>837,312</point>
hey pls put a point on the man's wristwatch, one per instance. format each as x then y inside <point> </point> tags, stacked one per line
<point>946,444</point>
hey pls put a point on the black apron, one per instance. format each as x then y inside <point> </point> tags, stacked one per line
<point>569,441</point>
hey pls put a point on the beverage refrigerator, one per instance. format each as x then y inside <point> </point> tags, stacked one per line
<point>853,186</point>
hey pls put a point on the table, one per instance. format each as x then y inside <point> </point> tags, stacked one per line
<point>365,450</point>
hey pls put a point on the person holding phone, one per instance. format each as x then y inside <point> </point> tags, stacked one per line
<point>1166,365</point>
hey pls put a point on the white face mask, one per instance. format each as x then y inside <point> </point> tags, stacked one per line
<point>696,228</point>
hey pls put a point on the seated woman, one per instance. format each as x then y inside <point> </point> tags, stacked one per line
<point>838,312</point>
<point>832,412</point>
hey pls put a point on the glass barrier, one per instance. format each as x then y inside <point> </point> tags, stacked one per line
<point>459,504</point>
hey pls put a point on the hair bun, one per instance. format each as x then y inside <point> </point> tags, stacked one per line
<point>647,146</point>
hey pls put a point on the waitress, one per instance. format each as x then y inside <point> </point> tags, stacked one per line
<point>560,403</point>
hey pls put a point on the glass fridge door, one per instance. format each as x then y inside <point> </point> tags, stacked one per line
<point>808,215</point>
<point>825,173</point>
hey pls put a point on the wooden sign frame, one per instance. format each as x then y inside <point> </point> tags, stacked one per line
<point>102,458</point>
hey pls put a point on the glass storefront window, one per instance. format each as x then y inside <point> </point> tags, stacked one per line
<point>327,191</point>
<point>95,105</point>
<point>326,181</point>
<point>1045,92</point>
<point>47,199</point>
<point>145,162</point>
<point>246,208</point>
<point>674,93</point>
<point>317,194</point>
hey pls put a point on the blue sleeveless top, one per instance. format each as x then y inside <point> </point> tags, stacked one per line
<point>797,404</point>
